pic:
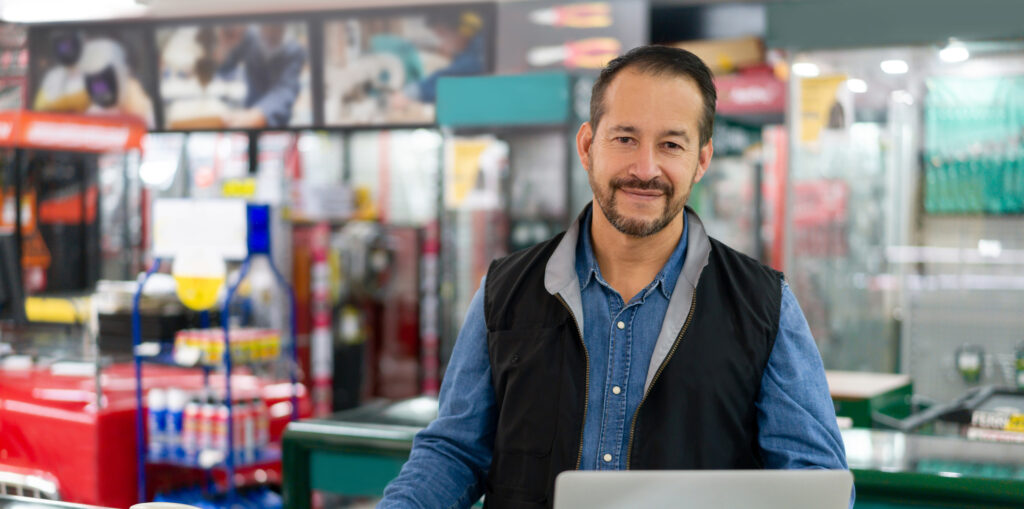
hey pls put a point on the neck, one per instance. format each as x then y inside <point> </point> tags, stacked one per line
<point>630,263</point>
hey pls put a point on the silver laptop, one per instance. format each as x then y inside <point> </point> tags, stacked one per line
<point>704,489</point>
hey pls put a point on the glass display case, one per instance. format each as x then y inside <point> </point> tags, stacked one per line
<point>895,470</point>
<point>905,209</point>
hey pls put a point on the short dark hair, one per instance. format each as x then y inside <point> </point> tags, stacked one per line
<point>658,60</point>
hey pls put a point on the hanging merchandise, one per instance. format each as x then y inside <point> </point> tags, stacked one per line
<point>365,260</point>
<point>584,36</point>
<point>364,257</point>
<point>974,160</point>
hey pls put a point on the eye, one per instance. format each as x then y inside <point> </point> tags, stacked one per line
<point>623,139</point>
<point>673,146</point>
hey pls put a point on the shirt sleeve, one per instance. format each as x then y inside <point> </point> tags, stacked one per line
<point>276,104</point>
<point>796,418</point>
<point>451,457</point>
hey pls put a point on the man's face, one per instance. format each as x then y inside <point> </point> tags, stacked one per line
<point>645,156</point>
<point>450,42</point>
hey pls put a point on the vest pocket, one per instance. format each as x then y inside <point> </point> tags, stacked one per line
<point>526,366</point>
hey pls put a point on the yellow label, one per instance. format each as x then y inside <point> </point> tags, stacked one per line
<point>239,188</point>
<point>1016,423</point>
<point>465,168</point>
<point>198,293</point>
<point>817,97</point>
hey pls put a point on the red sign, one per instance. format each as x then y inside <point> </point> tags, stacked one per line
<point>755,92</point>
<point>70,132</point>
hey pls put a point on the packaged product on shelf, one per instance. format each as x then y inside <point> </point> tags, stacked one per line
<point>191,430</point>
<point>220,428</point>
<point>174,427</point>
<point>214,345</point>
<point>207,415</point>
<point>156,401</point>
<point>239,345</point>
<point>241,411</point>
<point>247,344</point>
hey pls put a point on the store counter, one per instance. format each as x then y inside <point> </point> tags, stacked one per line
<point>353,453</point>
<point>12,502</point>
<point>895,470</point>
<point>357,452</point>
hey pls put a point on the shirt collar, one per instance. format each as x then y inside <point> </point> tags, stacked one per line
<point>587,269</point>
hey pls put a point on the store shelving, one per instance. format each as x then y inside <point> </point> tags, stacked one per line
<point>213,460</point>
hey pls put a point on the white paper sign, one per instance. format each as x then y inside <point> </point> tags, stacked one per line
<point>213,225</point>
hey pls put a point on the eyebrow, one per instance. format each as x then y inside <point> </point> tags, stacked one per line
<point>632,130</point>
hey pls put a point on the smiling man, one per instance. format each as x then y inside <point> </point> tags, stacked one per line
<point>633,340</point>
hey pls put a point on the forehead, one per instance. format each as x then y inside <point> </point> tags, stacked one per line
<point>658,100</point>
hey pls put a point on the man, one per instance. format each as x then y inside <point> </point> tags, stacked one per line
<point>273,70</point>
<point>460,37</point>
<point>633,340</point>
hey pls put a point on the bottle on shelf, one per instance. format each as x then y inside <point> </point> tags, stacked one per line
<point>156,401</point>
<point>191,430</point>
<point>177,399</point>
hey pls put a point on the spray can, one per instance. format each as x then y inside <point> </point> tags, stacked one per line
<point>240,409</point>
<point>156,400</point>
<point>208,414</point>
<point>220,429</point>
<point>174,429</point>
<point>191,430</point>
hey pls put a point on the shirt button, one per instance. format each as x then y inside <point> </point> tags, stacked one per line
<point>621,325</point>
<point>607,458</point>
<point>616,389</point>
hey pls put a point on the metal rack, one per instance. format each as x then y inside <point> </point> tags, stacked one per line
<point>258,243</point>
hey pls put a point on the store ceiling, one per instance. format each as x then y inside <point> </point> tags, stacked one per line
<point>50,11</point>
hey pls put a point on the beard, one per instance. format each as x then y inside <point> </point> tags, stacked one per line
<point>635,227</point>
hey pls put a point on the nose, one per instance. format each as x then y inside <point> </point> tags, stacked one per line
<point>646,167</point>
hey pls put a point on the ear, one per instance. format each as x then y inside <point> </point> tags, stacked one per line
<point>584,138</point>
<point>704,159</point>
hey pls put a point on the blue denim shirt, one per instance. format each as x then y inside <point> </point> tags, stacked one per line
<point>450,458</point>
<point>620,338</point>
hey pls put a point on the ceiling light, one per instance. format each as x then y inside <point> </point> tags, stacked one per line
<point>857,86</point>
<point>895,67</point>
<point>954,52</point>
<point>806,69</point>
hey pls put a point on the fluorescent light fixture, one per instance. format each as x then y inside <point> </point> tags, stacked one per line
<point>806,69</point>
<point>954,52</point>
<point>895,66</point>
<point>857,86</point>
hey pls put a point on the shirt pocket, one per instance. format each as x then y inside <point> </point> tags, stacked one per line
<point>526,366</point>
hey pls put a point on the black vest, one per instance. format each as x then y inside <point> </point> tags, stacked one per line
<point>698,413</point>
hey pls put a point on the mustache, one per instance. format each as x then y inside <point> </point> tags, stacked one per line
<point>645,185</point>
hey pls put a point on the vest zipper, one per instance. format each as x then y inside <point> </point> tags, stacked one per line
<point>632,427</point>
<point>586,388</point>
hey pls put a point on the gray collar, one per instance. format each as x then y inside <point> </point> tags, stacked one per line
<point>560,278</point>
